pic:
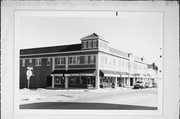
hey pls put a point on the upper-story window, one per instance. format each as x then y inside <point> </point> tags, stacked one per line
<point>63,60</point>
<point>119,62</point>
<point>123,63</point>
<point>92,59</point>
<point>74,60</point>
<point>30,61</point>
<point>78,60</point>
<point>106,60</point>
<point>81,59</point>
<point>127,64</point>
<point>70,60</point>
<point>60,60</point>
<point>86,60</point>
<point>84,44</point>
<point>114,62</point>
<point>48,61</point>
<point>38,62</point>
<point>89,44</point>
<point>104,45</point>
<point>95,44</point>
<point>57,61</point>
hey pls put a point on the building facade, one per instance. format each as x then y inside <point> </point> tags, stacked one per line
<point>90,64</point>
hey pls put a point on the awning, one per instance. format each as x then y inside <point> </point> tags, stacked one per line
<point>58,72</point>
<point>82,72</point>
<point>137,75</point>
<point>109,73</point>
<point>123,74</point>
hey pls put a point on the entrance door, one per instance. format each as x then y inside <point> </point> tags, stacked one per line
<point>131,81</point>
<point>49,81</point>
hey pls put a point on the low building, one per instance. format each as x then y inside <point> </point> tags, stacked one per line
<point>90,64</point>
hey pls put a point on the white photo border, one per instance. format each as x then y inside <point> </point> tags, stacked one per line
<point>17,114</point>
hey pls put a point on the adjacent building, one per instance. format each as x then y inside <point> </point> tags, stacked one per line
<point>91,64</point>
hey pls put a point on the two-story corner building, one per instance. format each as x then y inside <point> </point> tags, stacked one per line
<point>153,72</point>
<point>90,64</point>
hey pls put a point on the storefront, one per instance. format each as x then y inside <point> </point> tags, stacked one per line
<point>108,79</point>
<point>73,79</point>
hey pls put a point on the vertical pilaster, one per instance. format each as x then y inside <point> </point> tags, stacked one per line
<point>97,80</point>
<point>115,82</point>
<point>124,81</point>
<point>66,82</point>
<point>128,81</point>
<point>52,81</point>
<point>53,67</point>
<point>134,80</point>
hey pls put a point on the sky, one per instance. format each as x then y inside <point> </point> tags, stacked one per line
<point>138,32</point>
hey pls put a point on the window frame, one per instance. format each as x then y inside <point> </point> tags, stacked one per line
<point>38,62</point>
<point>48,62</point>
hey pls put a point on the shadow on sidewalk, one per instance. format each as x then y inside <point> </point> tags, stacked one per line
<point>84,105</point>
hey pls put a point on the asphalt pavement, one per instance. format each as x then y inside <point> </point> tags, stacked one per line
<point>139,99</point>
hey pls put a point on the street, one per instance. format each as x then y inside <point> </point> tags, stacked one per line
<point>127,99</point>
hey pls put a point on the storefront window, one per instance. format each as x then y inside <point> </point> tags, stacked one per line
<point>73,80</point>
<point>59,80</point>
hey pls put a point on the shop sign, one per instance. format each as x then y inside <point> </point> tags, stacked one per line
<point>124,75</point>
<point>79,74</point>
<point>58,74</point>
<point>111,75</point>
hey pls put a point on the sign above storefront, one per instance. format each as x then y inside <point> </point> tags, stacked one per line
<point>80,74</point>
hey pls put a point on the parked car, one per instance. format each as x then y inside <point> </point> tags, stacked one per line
<point>139,84</point>
<point>148,85</point>
<point>154,85</point>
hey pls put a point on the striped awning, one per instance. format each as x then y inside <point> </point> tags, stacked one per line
<point>109,73</point>
<point>123,74</point>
